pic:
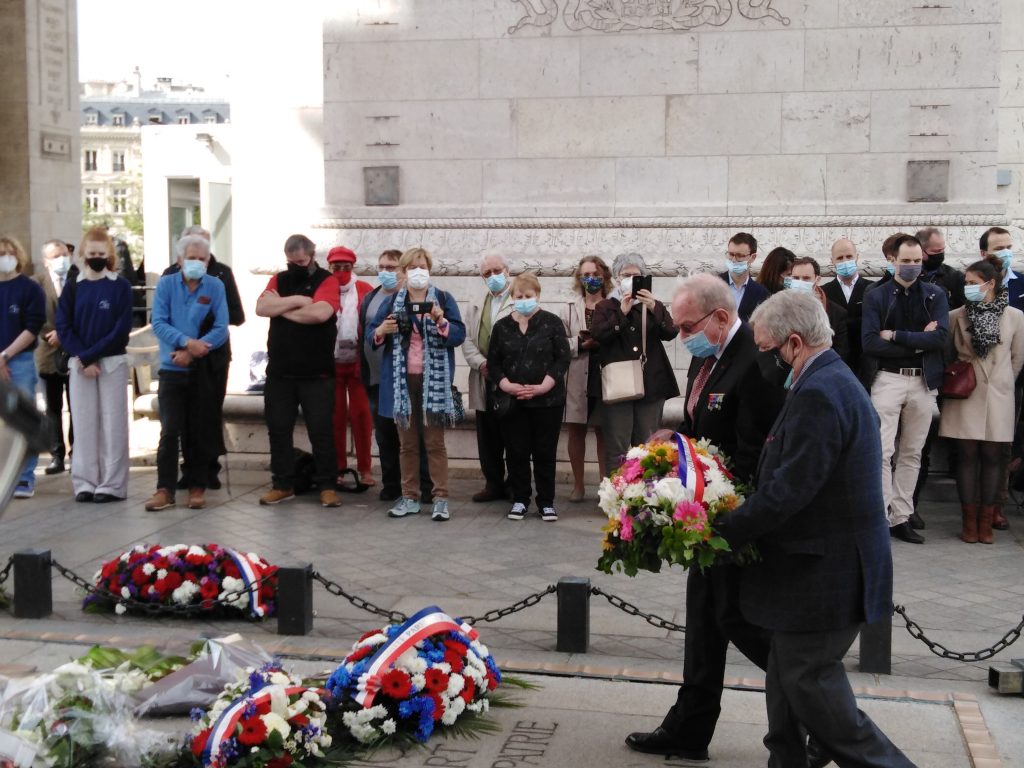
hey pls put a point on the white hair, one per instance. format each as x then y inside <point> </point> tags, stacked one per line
<point>624,260</point>
<point>787,313</point>
<point>710,292</point>
<point>494,255</point>
<point>195,229</point>
<point>189,241</point>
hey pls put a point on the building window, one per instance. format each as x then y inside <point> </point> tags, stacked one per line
<point>155,120</point>
<point>184,120</point>
<point>210,119</point>
<point>117,162</point>
<point>90,159</point>
<point>119,200</point>
<point>92,119</point>
<point>92,199</point>
<point>117,120</point>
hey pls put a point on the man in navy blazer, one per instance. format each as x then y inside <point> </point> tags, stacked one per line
<point>819,521</point>
<point>740,256</point>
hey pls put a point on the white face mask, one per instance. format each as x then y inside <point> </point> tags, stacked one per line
<point>626,284</point>
<point>8,263</point>
<point>60,265</point>
<point>418,278</point>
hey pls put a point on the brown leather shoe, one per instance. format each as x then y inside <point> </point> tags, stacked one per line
<point>277,495</point>
<point>162,499</point>
<point>487,494</point>
<point>366,478</point>
<point>197,498</point>
<point>999,521</point>
<point>329,498</point>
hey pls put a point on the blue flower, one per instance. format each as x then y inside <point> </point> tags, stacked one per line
<point>196,714</point>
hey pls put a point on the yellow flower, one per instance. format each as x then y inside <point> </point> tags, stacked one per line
<point>729,502</point>
<point>607,545</point>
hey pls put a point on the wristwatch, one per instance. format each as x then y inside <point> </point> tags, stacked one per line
<point>4,356</point>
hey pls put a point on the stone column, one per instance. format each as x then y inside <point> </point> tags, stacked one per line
<point>40,188</point>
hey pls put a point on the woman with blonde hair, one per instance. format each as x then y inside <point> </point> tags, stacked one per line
<point>592,282</point>
<point>94,318</point>
<point>527,360</point>
<point>24,313</point>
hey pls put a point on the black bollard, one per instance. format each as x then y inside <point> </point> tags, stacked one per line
<point>33,587</point>
<point>573,614</point>
<point>876,647</point>
<point>295,600</point>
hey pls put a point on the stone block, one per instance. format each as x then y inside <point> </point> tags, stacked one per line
<point>912,57</point>
<point>1013,26</point>
<point>752,62</point>
<point>521,67</point>
<point>524,187</point>
<point>1011,80</point>
<point>1011,135</point>
<point>964,120</point>
<point>917,13</point>
<point>419,130</point>
<point>421,70</point>
<point>928,181</point>
<point>826,122</point>
<point>591,127</point>
<point>381,185</point>
<point>675,186</point>
<point>401,20</point>
<point>629,65</point>
<point>438,183</point>
<point>748,124</point>
<point>766,185</point>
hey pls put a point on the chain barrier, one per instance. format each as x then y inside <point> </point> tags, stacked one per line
<point>519,605</point>
<point>395,617</point>
<point>653,619</point>
<point>969,656</point>
<point>153,609</point>
<point>6,572</point>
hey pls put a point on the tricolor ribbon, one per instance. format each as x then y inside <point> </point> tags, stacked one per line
<point>224,728</point>
<point>430,621</point>
<point>249,577</point>
<point>691,468</point>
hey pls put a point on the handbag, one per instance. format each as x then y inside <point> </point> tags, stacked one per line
<point>500,403</point>
<point>62,361</point>
<point>624,381</point>
<point>459,406</point>
<point>958,380</point>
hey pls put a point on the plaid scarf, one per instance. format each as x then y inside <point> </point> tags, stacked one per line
<point>438,408</point>
<point>983,322</point>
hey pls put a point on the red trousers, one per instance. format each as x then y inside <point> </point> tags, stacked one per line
<point>351,405</point>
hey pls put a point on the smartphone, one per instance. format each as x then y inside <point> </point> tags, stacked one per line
<point>421,307</point>
<point>642,282</point>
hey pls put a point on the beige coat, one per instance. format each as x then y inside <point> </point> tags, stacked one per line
<point>988,413</point>
<point>474,356</point>
<point>574,319</point>
<point>44,353</point>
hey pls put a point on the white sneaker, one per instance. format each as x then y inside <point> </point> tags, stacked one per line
<point>518,511</point>
<point>403,507</point>
<point>24,490</point>
<point>440,513</point>
<point>548,514</point>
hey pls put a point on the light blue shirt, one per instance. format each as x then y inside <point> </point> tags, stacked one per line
<point>738,290</point>
<point>178,313</point>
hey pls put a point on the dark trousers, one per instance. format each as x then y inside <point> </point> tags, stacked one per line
<point>282,399</point>
<point>181,415</point>
<point>532,433</point>
<point>807,683</point>
<point>713,619</point>
<point>57,388</point>
<point>212,383</point>
<point>386,434</point>
<point>490,447</point>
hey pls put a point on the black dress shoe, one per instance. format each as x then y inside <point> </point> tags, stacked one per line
<point>904,532</point>
<point>916,522</point>
<point>389,494</point>
<point>55,467</point>
<point>105,498</point>
<point>660,742</point>
<point>84,496</point>
<point>817,756</point>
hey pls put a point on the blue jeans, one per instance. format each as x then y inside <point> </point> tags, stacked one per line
<point>23,376</point>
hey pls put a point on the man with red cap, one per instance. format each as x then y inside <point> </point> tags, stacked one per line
<point>351,404</point>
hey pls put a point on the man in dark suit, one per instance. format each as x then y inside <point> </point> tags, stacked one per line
<point>728,403</point>
<point>740,256</point>
<point>847,291</point>
<point>818,519</point>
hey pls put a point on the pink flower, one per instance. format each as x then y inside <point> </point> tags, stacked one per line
<point>626,527</point>
<point>632,470</point>
<point>689,512</point>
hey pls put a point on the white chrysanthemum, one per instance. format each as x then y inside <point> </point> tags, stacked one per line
<point>376,639</point>
<point>162,573</point>
<point>457,706</point>
<point>716,485</point>
<point>231,590</point>
<point>275,722</point>
<point>608,498</point>
<point>455,685</point>
<point>419,682</point>
<point>148,569</point>
<point>125,592</point>
<point>444,666</point>
<point>388,727</point>
<point>195,550</point>
<point>660,518</point>
<point>635,490</point>
<point>311,696</point>
<point>672,491</point>
<point>120,608</point>
<point>636,452</point>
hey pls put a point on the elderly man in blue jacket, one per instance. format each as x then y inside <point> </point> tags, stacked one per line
<point>818,519</point>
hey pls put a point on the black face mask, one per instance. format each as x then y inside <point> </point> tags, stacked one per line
<point>298,270</point>
<point>934,260</point>
<point>97,264</point>
<point>774,369</point>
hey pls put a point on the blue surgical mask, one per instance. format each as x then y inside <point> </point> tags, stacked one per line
<point>802,286</point>
<point>699,345</point>
<point>846,268</point>
<point>496,283</point>
<point>1007,256</point>
<point>974,293</point>
<point>890,268</point>
<point>193,269</point>
<point>525,306</point>
<point>388,280</point>
<point>737,267</point>
<point>787,282</point>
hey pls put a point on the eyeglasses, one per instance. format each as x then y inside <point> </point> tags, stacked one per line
<point>732,256</point>
<point>687,328</point>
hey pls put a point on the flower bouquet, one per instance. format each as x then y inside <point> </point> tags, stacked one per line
<point>204,576</point>
<point>270,720</point>
<point>661,506</point>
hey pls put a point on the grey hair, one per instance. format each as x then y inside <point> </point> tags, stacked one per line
<point>195,229</point>
<point>789,312</point>
<point>494,255</point>
<point>709,292</point>
<point>624,260</point>
<point>926,234</point>
<point>188,241</point>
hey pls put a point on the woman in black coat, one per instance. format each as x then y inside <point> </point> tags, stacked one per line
<point>617,327</point>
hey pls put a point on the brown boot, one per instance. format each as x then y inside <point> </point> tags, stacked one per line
<point>999,521</point>
<point>985,523</point>
<point>969,523</point>
<point>162,499</point>
<point>196,498</point>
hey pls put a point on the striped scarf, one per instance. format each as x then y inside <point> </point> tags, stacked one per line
<point>438,407</point>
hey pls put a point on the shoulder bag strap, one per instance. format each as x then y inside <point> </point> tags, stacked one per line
<point>643,335</point>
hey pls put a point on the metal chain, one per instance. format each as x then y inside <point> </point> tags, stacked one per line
<point>157,608</point>
<point>395,617</point>
<point>6,572</point>
<point>519,605</point>
<point>653,619</point>
<point>942,651</point>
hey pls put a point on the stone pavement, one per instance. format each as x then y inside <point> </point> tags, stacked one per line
<point>965,596</point>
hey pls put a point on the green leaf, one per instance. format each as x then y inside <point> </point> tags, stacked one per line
<point>717,542</point>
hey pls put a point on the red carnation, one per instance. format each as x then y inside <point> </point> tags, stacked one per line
<point>468,691</point>
<point>161,562</point>
<point>396,684</point>
<point>280,762</point>
<point>438,706</point>
<point>139,576</point>
<point>369,634</point>
<point>437,681</point>
<point>173,580</point>
<point>199,742</point>
<point>253,731</point>
<point>360,653</point>
<point>110,569</point>
<point>456,660</point>
<point>230,569</point>
<point>491,682</point>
